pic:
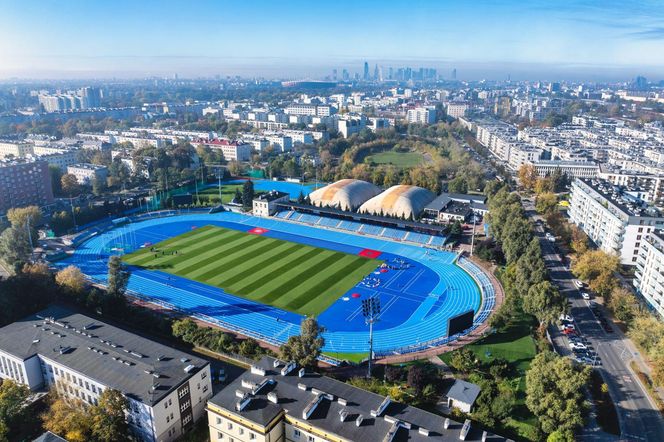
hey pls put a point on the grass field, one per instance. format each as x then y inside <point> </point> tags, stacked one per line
<point>287,275</point>
<point>398,159</point>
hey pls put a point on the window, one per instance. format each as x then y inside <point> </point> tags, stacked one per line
<point>634,259</point>
<point>220,435</point>
<point>241,431</point>
<point>87,386</point>
<point>230,426</point>
<point>252,436</point>
<point>186,419</point>
<point>218,421</point>
<point>296,433</point>
<point>310,438</point>
<point>165,405</point>
<point>184,406</point>
<point>203,375</point>
<point>638,237</point>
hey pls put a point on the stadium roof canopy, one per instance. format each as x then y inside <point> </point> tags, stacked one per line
<point>345,194</point>
<point>401,201</point>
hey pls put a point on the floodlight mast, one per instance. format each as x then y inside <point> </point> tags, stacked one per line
<point>371,312</point>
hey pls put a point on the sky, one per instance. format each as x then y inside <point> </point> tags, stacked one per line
<point>535,39</point>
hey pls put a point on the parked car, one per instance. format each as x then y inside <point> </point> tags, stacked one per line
<point>578,283</point>
<point>577,346</point>
<point>585,296</point>
<point>567,318</point>
<point>569,332</point>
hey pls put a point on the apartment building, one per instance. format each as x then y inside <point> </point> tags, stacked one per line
<point>457,109</point>
<point>573,169</point>
<point>319,110</point>
<point>82,356</point>
<point>87,173</point>
<point>649,273</point>
<point>232,150</point>
<point>614,219</point>
<point>275,401</point>
<point>14,149</point>
<point>24,183</point>
<point>651,185</point>
<point>421,115</point>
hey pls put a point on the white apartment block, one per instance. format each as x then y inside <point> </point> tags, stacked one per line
<point>650,185</point>
<point>81,357</point>
<point>421,115</point>
<point>14,149</point>
<point>457,110</point>
<point>573,169</point>
<point>615,221</point>
<point>61,160</point>
<point>87,173</point>
<point>232,150</point>
<point>319,110</point>
<point>649,274</point>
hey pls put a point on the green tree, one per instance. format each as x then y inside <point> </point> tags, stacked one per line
<point>456,228</point>
<point>597,268</point>
<point>69,185</point>
<point>545,302</point>
<point>464,360</point>
<point>13,399</point>
<point>554,392</point>
<point>304,348</point>
<point>108,417</point>
<point>247,193</point>
<point>457,185</point>
<point>623,304</point>
<point>546,202</point>
<point>15,247</point>
<point>118,277</point>
<point>516,237</point>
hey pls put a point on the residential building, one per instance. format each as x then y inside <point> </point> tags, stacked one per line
<point>82,356</point>
<point>573,169</point>
<point>649,272</point>
<point>351,125</point>
<point>320,110</point>
<point>87,173</point>
<point>421,115</point>
<point>24,183</point>
<point>266,203</point>
<point>276,401</point>
<point>613,218</point>
<point>232,150</point>
<point>14,149</point>
<point>457,109</point>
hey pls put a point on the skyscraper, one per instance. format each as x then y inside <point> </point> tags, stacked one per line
<point>366,71</point>
<point>454,74</point>
<point>334,74</point>
<point>344,75</point>
<point>375,75</point>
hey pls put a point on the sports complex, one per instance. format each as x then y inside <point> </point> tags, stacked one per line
<point>260,276</point>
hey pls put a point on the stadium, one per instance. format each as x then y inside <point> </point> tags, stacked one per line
<point>260,276</point>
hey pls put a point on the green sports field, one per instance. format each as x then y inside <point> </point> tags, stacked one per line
<point>284,274</point>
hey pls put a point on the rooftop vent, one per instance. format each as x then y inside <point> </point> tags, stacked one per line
<point>272,397</point>
<point>342,401</point>
<point>35,341</point>
<point>242,403</point>
<point>288,368</point>
<point>423,431</point>
<point>343,415</point>
<point>383,405</point>
<point>255,369</point>
<point>446,424</point>
<point>301,372</point>
<point>260,386</point>
<point>240,393</point>
<point>276,363</point>
<point>302,386</point>
<point>358,420</point>
<point>189,368</point>
<point>465,430</point>
<point>161,358</point>
<point>311,407</point>
<point>184,360</point>
<point>64,350</point>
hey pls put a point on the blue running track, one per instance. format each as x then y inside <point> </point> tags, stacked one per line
<point>419,292</point>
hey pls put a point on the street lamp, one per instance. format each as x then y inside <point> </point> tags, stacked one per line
<point>371,312</point>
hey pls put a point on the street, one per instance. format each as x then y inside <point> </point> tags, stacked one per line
<point>638,417</point>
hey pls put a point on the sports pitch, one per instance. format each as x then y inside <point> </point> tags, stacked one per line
<point>287,275</point>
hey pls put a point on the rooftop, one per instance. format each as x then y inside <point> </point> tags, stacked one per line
<point>271,196</point>
<point>273,387</point>
<point>619,197</point>
<point>463,391</point>
<point>140,368</point>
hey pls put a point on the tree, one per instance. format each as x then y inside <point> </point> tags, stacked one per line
<point>417,378</point>
<point>21,217</point>
<point>554,392</point>
<point>544,302</point>
<point>108,417</point>
<point>71,279</point>
<point>247,193</point>
<point>304,348</point>
<point>463,360</point>
<point>623,304</point>
<point>69,185</point>
<point>69,418</point>
<point>457,185</point>
<point>516,237</point>
<point>597,268</point>
<point>456,228</point>
<point>13,399</point>
<point>15,247</point>
<point>579,240</point>
<point>546,202</point>
<point>528,176</point>
<point>118,277</point>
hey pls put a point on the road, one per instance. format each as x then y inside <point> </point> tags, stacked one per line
<point>639,418</point>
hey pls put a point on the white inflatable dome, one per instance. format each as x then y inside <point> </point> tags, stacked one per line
<point>345,194</point>
<point>400,201</point>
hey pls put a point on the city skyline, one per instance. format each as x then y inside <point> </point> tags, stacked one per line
<point>582,39</point>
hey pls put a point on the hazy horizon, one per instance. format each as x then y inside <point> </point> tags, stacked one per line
<point>540,40</point>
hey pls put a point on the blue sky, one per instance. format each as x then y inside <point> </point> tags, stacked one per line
<point>78,38</point>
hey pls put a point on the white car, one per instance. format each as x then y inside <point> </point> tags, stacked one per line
<point>566,318</point>
<point>578,283</point>
<point>577,346</point>
<point>585,296</point>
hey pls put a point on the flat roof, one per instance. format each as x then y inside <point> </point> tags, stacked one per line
<point>123,360</point>
<point>326,400</point>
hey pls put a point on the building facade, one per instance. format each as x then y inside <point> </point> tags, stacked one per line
<point>649,274</point>
<point>615,221</point>
<point>266,203</point>
<point>24,183</point>
<point>87,173</point>
<point>81,357</point>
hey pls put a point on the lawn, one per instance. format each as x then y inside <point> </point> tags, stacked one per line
<point>398,159</point>
<point>227,192</point>
<point>284,274</point>
<point>517,346</point>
